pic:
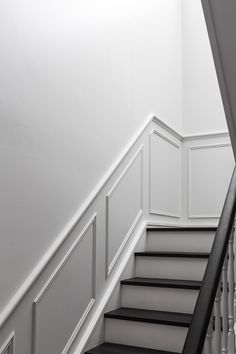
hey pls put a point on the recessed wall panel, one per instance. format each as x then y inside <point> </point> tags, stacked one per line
<point>67,298</point>
<point>124,207</point>
<point>165,176</point>
<point>209,171</point>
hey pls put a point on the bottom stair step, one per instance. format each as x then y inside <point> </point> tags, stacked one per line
<point>112,348</point>
<point>158,330</point>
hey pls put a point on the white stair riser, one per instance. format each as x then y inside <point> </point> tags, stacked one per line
<point>180,241</point>
<point>146,335</point>
<point>163,299</point>
<point>172,268</point>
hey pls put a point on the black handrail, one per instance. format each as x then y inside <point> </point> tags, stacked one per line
<point>202,314</point>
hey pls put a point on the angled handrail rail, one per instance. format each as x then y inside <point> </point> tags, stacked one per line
<point>203,310</point>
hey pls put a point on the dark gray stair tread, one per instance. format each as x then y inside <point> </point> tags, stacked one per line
<point>173,254</point>
<point>151,316</point>
<point>113,348</point>
<point>163,283</point>
<point>184,229</point>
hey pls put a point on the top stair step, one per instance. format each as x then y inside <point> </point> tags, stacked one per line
<point>112,348</point>
<point>183,229</point>
<point>182,239</point>
<point>173,254</point>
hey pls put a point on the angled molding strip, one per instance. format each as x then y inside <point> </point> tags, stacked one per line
<point>125,238</point>
<point>9,346</point>
<point>51,282</point>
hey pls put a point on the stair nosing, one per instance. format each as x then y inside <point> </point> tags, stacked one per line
<point>185,229</point>
<point>133,349</point>
<point>163,283</point>
<point>167,254</point>
<point>139,318</point>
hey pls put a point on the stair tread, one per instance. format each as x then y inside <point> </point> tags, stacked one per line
<point>179,228</point>
<point>172,254</point>
<point>151,316</point>
<point>113,348</point>
<point>163,283</point>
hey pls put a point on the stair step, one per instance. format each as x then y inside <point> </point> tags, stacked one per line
<point>180,240</point>
<point>170,295</point>
<point>150,316</point>
<point>183,229</point>
<point>171,265</point>
<point>113,348</point>
<point>173,254</point>
<point>163,283</point>
<point>147,328</point>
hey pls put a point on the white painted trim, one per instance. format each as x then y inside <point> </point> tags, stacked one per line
<point>9,343</point>
<point>159,212</point>
<point>208,146</point>
<point>115,278</point>
<point>110,266</point>
<point>167,128</point>
<point>213,135</point>
<point>186,137</point>
<point>164,213</point>
<point>79,325</point>
<point>113,262</point>
<point>171,142</point>
<point>189,149</point>
<point>54,276</point>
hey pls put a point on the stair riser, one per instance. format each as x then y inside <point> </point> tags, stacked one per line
<point>163,299</point>
<point>180,241</point>
<point>146,335</point>
<point>172,268</point>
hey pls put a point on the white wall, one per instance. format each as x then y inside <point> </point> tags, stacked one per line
<point>202,103</point>
<point>77,79</point>
<point>67,297</point>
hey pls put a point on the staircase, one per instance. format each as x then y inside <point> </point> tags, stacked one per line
<point>158,303</point>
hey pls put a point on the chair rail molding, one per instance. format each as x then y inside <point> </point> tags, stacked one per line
<point>206,136</point>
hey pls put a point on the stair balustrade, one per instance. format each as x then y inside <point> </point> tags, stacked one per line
<point>216,298</point>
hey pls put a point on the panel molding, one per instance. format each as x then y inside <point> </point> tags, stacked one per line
<point>202,136</point>
<point>66,231</point>
<point>167,128</point>
<point>49,283</point>
<point>189,150</point>
<point>110,266</point>
<point>151,210</point>
<point>9,345</point>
